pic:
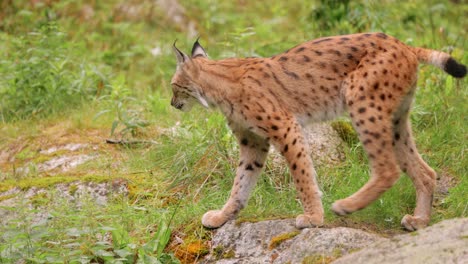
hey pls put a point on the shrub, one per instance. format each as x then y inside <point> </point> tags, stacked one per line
<point>41,73</point>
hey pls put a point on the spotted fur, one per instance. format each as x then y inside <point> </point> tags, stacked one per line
<point>267,101</point>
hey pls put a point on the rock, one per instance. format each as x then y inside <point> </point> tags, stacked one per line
<point>278,241</point>
<point>176,13</point>
<point>325,145</point>
<point>77,194</point>
<point>445,242</point>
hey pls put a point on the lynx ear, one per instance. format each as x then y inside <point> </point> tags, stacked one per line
<point>181,57</point>
<point>197,50</point>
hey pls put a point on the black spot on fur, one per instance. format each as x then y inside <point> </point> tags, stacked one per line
<point>454,68</point>
<point>249,167</point>
<point>292,74</point>
<point>321,40</point>
<point>300,49</point>
<point>381,35</point>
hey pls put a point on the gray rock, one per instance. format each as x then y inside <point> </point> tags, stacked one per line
<point>325,146</point>
<point>16,203</point>
<point>445,242</point>
<point>278,241</point>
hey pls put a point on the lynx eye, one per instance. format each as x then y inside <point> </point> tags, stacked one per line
<point>175,85</point>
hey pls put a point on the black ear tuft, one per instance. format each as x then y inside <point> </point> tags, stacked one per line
<point>197,49</point>
<point>454,68</point>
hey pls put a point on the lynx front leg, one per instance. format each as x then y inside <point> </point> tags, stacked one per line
<point>253,152</point>
<point>290,141</point>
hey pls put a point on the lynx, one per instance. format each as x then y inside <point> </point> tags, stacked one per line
<point>267,101</point>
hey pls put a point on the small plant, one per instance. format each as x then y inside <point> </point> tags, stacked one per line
<point>123,106</point>
<point>346,132</point>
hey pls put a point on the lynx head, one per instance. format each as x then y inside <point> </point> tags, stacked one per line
<point>185,91</point>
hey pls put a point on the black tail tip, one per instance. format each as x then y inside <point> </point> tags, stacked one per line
<point>454,68</point>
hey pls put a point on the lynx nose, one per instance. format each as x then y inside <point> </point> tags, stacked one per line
<point>175,104</point>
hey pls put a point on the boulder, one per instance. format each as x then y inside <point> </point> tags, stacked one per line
<point>445,242</point>
<point>325,145</point>
<point>278,241</point>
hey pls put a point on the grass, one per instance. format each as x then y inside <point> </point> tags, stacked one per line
<point>125,90</point>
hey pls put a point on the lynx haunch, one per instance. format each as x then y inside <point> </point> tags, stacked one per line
<point>266,101</point>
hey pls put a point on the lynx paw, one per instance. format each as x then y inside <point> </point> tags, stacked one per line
<point>341,207</point>
<point>304,221</point>
<point>412,223</point>
<point>214,219</point>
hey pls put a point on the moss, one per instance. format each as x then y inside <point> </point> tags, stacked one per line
<point>277,240</point>
<point>25,154</point>
<point>7,197</point>
<point>72,189</point>
<point>229,254</point>
<point>218,252</point>
<point>317,259</point>
<point>190,252</point>
<point>197,248</point>
<point>346,131</point>
<point>46,182</point>
<point>255,218</point>
<point>337,252</point>
<point>40,199</point>
<point>41,159</point>
<point>353,250</point>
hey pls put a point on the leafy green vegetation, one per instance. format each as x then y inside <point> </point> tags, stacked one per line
<point>43,74</point>
<point>83,71</point>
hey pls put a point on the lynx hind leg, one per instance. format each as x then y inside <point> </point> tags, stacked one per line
<point>372,120</point>
<point>385,172</point>
<point>422,176</point>
<point>253,153</point>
